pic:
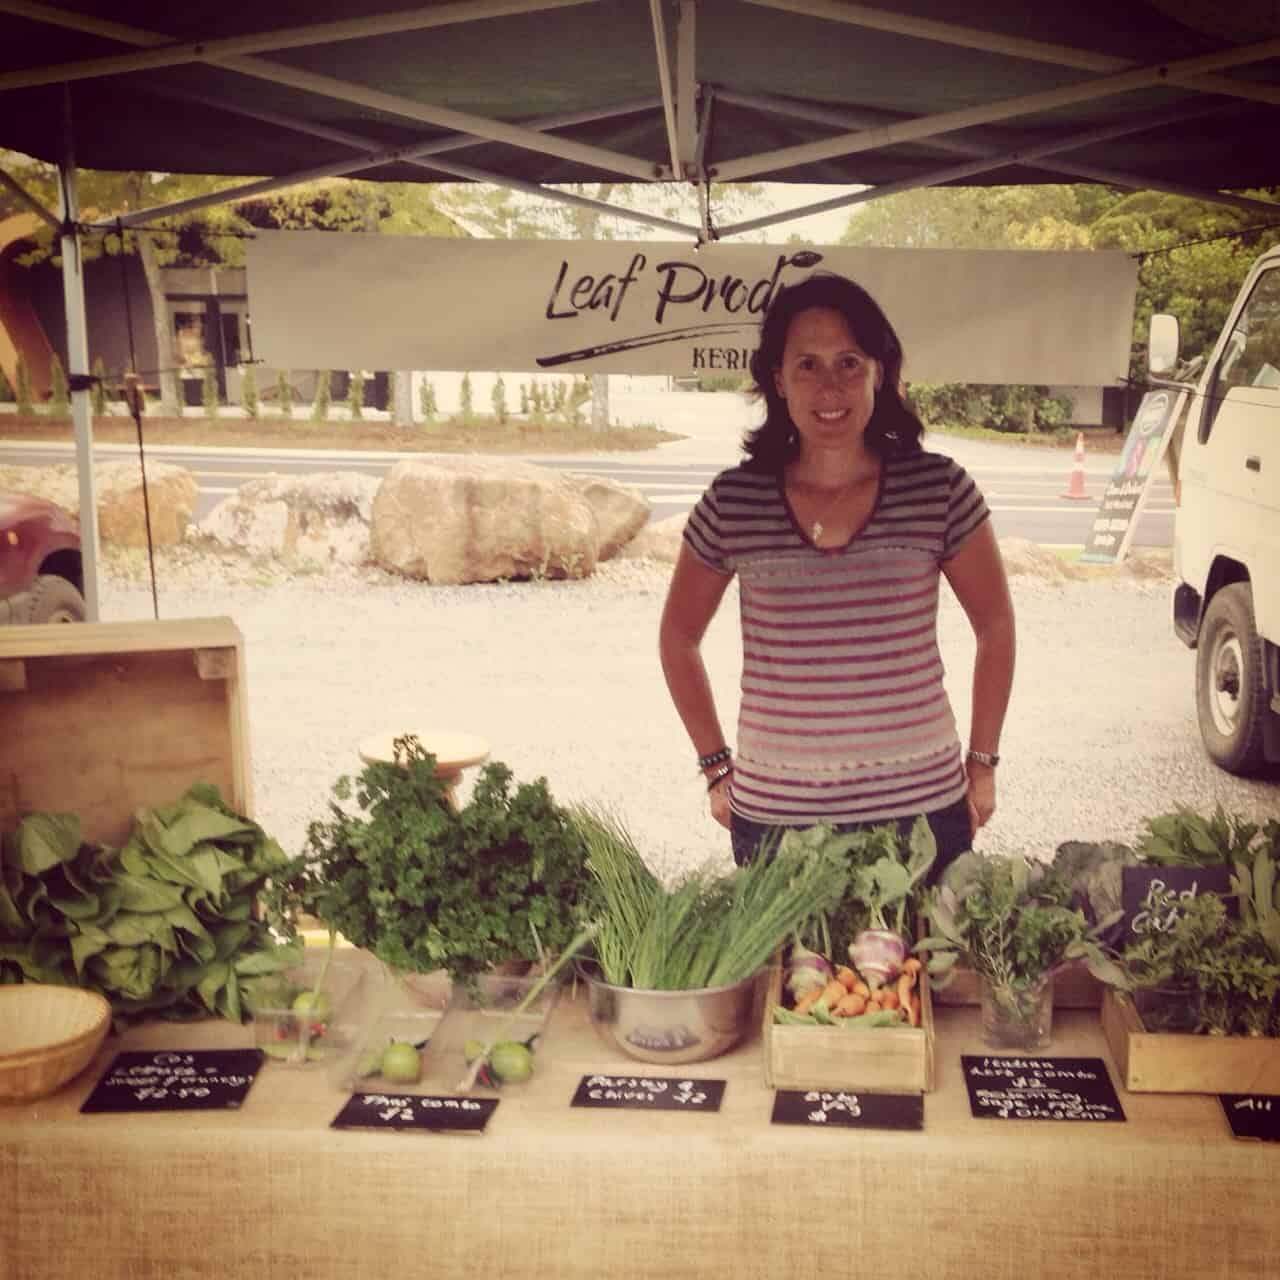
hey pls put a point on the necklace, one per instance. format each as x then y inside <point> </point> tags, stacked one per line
<point>836,498</point>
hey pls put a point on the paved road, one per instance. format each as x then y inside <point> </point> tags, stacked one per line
<point>1024,487</point>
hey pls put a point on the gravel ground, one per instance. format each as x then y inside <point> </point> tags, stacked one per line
<point>563,680</point>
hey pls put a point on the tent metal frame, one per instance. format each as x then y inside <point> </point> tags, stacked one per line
<point>688,109</point>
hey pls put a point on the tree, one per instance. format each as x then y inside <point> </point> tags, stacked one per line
<point>209,393</point>
<point>500,400</point>
<point>284,394</point>
<point>59,399</point>
<point>524,399</point>
<point>1195,281</point>
<point>320,406</point>
<point>427,401</point>
<point>249,394</point>
<point>98,392</point>
<point>355,395</point>
<point>22,391</point>
<point>464,398</point>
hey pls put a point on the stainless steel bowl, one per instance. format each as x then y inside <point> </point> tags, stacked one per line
<point>670,1027</point>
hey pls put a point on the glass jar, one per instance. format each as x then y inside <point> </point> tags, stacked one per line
<point>1017,1017</point>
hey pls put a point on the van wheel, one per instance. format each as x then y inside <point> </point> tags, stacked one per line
<point>53,599</point>
<point>1231,693</point>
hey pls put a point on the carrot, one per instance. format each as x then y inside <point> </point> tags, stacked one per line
<point>912,965</point>
<point>905,985</point>
<point>860,988</point>
<point>850,1006</point>
<point>913,1010</point>
<point>833,993</point>
<point>847,976</point>
<point>808,1000</point>
<point>889,1000</point>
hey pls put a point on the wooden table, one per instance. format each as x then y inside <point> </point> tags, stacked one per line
<point>554,1191</point>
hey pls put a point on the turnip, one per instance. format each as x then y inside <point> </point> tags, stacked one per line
<point>806,970</point>
<point>877,954</point>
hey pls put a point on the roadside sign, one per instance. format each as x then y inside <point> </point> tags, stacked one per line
<point>1122,502</point>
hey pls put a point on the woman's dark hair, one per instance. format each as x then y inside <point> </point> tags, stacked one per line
<point>894,429</point>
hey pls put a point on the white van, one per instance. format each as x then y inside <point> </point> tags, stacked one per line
<point>1226,460</point>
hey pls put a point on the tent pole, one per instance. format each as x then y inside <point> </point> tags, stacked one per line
<point>78,360</point>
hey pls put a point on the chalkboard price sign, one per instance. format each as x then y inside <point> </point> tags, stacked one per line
<point>1154,898</point>
<point>1076,1089</point>
<point>1252,1115</point>
<point>199,1080</point>
<point>414,1111</point>
<point>649,1093</point>
<point>843,1109</point>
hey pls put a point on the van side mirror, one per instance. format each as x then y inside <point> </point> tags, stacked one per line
<point>1162,344</point>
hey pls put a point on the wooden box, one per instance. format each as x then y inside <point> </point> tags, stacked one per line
<point>1172,1062</point>
<point>101,719</point>
<point>883,1060</point>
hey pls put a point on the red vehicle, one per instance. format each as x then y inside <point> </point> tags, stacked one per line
<point>41,576</point>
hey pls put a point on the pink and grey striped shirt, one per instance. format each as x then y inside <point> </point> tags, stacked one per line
<point>844,717</point>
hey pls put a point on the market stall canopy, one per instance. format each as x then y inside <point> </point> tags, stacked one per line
<point>1167,94</point>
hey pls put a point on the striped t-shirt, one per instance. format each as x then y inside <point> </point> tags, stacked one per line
<point>843,717</point>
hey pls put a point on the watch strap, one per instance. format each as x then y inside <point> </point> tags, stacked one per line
<point>983,757</point>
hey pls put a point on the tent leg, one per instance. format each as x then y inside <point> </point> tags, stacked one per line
<point>78,369</point>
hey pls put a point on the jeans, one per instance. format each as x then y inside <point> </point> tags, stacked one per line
<point>950,826</point>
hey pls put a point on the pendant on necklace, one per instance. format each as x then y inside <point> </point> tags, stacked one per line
<point>816,532</point>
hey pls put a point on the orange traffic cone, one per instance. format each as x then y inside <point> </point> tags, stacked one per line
<point>1075,486</point>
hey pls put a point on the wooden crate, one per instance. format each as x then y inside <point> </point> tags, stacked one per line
<point>884,1060</point>
<point>1173,1062</point>
<point>101,719</point>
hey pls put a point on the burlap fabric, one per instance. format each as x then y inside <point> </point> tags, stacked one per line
<point>551,1190</point>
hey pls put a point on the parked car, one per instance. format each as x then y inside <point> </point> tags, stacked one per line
<point>1226,604</point>
<point>41,575</point>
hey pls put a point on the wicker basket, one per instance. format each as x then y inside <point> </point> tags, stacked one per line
<point>48,1035</point>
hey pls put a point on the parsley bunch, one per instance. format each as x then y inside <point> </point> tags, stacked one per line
<point>426,887</point>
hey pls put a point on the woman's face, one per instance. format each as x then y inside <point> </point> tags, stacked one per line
<point>827,380</point>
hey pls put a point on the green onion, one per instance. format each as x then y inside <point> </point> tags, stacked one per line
<point>708,929</point>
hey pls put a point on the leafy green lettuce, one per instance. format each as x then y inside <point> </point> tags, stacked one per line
<point>165,925</point>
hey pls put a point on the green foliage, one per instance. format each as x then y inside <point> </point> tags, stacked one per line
<point>179,922</point>
<point>1196,283</point>
<point>1016,408</point>
<point>59,396</point>
<point>22,391</point>
<point>723,382</point>
<point>465,400</point>
<point>500,399</point>
<point>706,930</point>
<point>249,401</point>
<point>425,887</point>
<point>284,394</point>
<point>427,408</point>
<point>576,400</point>
<point>524,399</point>
<point>209,392</point>
<point>1013,920</point>
<point>98,392</point>
<point>536,401</point>
<point>1185,838</point>
<point>355,395</point>
<point>320,406</point>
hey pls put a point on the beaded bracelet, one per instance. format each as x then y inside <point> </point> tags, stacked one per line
<point>719,776</point>
<point>716,757</point>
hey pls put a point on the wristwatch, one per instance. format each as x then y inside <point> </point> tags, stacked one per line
<point>983,757</point>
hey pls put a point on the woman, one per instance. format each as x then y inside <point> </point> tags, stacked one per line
<point>839,526</point>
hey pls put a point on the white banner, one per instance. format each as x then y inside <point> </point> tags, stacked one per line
<point>326,300</point>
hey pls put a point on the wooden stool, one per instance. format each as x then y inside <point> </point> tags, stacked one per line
<point>453,752</point>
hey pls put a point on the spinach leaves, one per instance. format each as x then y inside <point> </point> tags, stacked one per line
<point>165,925</point>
